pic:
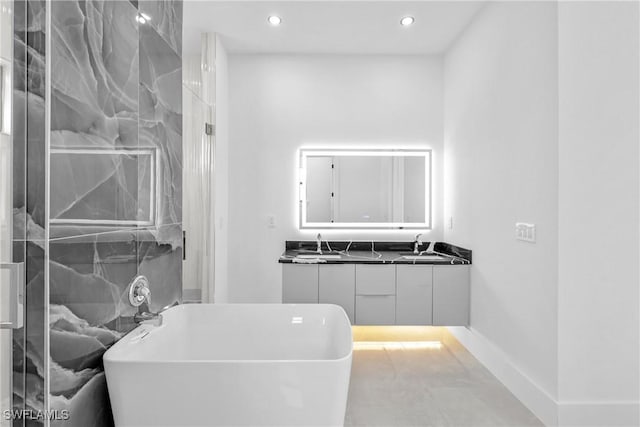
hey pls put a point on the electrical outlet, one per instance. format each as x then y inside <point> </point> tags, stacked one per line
<point>271,221</point>
<point>526,232</point>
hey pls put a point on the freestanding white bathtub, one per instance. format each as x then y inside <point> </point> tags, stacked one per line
<point>233,364</point>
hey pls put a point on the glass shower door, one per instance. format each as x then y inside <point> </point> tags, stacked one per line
<point>6,286</point>
<point>198,152</point>
<point>11,273</point>
<point>6,289</point>
<point>6,169</point>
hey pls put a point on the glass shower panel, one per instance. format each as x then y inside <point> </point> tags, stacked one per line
<point>6,300</point>
<point>197,201</point>
<point>12,143</point>
<point>8,279</point>
<point>6,171</point>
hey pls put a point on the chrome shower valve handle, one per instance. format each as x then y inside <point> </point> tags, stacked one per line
<point>139,291</point>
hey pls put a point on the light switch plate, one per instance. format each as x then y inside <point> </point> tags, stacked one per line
<point>526,232</point>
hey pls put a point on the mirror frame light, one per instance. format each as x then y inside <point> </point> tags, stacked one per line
<point>305,153</point>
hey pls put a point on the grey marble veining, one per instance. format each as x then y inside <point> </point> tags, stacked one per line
<point>34,328</point>
<point>28,342</point>
<point>28,107</point>
<point>35,25</point>
<point>89,310</point>
<point>94,71</point>
<point>116,159</point>
<point>166,19</point>
<point>115,155</point>
<point>116,85</point>
<point>94,116</point>
<point>94,186</point>
<point>29,211</point>
<point>160,260</point>
<point>161,118</point>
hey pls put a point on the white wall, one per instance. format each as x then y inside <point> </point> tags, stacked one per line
<point>279,103</point>
<point>501,167</point>
<point>599,337</point>
<point>221,175</point>
<point>542,125</point>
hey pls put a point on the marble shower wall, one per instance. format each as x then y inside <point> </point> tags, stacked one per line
<point>115,182</point>
<point>29,203</point>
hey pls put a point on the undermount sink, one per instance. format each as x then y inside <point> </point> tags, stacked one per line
<point>424,257</point>
<point>318,256</point>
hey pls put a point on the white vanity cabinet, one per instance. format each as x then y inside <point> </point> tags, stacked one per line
<point>414,294</point>
<point>300,283</point>
<point>451,295</point>
<point>336,285</point>
<point>384,294</point>
<point>375,294</point>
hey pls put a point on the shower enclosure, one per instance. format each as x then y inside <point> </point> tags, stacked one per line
<point>90,193</point>
<point>19,334</point>
<point>198,102</point>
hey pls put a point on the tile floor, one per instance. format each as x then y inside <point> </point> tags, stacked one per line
<point>434,385</point>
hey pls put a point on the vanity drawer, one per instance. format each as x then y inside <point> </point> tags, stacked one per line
<point>375,279</point>
<point>375,310</point>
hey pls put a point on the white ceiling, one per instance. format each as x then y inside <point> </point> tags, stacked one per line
<point>340,27</point>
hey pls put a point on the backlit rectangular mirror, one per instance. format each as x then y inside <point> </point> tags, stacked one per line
<point>365,189</point>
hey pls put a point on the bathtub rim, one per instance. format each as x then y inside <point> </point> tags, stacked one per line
<point>111,359</point>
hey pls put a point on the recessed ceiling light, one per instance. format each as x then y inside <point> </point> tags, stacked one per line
<point>407,20</point>
<point>274,20</point>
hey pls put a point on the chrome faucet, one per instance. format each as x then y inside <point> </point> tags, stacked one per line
<point>140,296</point>
<point>416,243</point>
<point>319,243</point>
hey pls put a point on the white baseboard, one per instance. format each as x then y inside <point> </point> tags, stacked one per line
<point>544,406</point>
<point>529,393</point>
<point>610,414</point>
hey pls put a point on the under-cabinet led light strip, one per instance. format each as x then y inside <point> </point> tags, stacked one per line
<point>397,345</point>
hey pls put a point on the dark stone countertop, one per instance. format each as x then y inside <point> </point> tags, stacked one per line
<point>372,253</point>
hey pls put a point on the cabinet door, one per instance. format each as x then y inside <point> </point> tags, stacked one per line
<point>375,279</point>
<point>451,295</point>
<point>414,291</point>
<point>300,283</point>
<point>337,285</point>
<point>375,309</point>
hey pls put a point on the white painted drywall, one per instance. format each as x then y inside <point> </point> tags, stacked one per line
<point>221,175</point>
<point>599,334</point>
<point>280,103</point>
<point>501,167</point>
